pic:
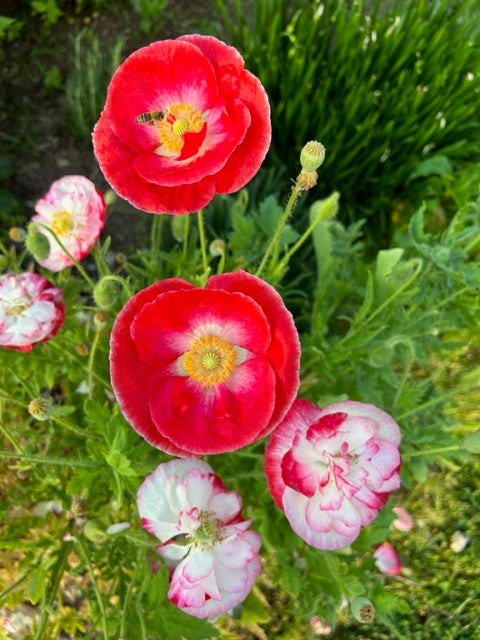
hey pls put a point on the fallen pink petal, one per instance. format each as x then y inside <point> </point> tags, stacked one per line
<point>387,559</point>
<point>403,521</point>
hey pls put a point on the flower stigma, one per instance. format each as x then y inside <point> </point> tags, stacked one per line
<point>179,119</point>
<point>210,361</point>
<point>210,531</point>
<point>62,223</point>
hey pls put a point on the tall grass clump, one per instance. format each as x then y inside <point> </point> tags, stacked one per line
<point>384,85</point>
<point>86,88</point>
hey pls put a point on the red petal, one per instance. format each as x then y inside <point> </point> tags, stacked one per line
<point>284,350</point>
<point>116,162</point>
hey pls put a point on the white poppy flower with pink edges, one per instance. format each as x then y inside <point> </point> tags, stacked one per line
<point>75,210</point>
<point>387,559</point>
<point>331,470</point>
<point>212,555</point>
<point>31,310</point>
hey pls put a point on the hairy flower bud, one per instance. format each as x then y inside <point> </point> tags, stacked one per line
<point>41,408</point>
<point>82,349</point>
<point>312,155</point>
<point>38,244</point>
<point>105,293</point>
<point>362,609</point>
<point>306,180</point>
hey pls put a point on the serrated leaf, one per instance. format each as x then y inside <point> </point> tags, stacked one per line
<point>178,625</point>
<point>120,463</point>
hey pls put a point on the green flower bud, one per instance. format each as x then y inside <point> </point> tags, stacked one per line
<point>41,408</point>
<point>362,609</point>
<point>38,244</point>
<point>16,234</point>
<point>101,320</point>
<point>312,155</point>
<point>217,247</point>
<point>105,293</point>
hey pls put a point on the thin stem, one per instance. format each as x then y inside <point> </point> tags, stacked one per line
<point>46,610</point>
<point>186,233</point>
<point>91,361</point>
<point>448,394</point>
<point>86,559</point>
<point>11,439</point>
<point>156,231</point>
<point>283,221</point>
<point>124,284</point>
<point>428,452</point>
<point>128,595</point>
<point>62,462</point>
<point>71,427</point>
<point>143,628</point>
<point>62,246</point>
<point>203,241</point>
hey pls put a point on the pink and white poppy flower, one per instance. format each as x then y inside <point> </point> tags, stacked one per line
<point>331,470</point>
<point>387,559</point>
<point>75,210</point>
<point>183,120</point>
<point>31,310</point>
<point>212,554</point>
<point>205,370</point>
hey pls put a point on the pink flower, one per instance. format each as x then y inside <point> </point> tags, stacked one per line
<point>387,559</point>
<point>31,310</point>
<point>212,554</point>
<point>331,470</point>
<point>183,121</point>
<point>200,371</point>
<point>403,521</point>
<point>75,210</point>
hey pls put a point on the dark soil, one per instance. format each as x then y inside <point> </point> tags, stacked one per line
<point>34,127</point>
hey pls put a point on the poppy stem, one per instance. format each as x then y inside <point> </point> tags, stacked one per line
<point>203,242</point>
<point>62,246</point>
<point>283,221</point>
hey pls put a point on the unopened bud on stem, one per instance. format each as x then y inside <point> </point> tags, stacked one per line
<point>362,609</point>
<point>38,244</point>
<point>41,408</point>
<point>312,155</point>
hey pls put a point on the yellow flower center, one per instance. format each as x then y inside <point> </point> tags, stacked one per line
<point>179,119</point>
<point>210,361</point>
<point>62,223</point>
<point>16,309</point>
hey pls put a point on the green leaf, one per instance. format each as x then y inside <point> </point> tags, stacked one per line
<point>254,609</point>
<point>440,165</point>
<point>472,442</point>
<point>419,468</point>
<point>120,463</point>
<point>38,582</point>
<point>177,625</point>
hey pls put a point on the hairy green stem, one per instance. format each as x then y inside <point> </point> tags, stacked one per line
<point>186,233</point>
<point>62,462</point>
<point>281,224</point>
<point>11,439</point>
<point>128,595</point>
<point>428,452</point>
<point>203,242</point>
<point>83,552</point>
<point>47,606</point>
<point>120,280</point>
<point>62,246</point>
<point>156,231</point>
<point>91,362</point>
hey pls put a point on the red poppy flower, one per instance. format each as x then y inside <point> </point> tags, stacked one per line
<point>200,371</point>
<point>183,120</point>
